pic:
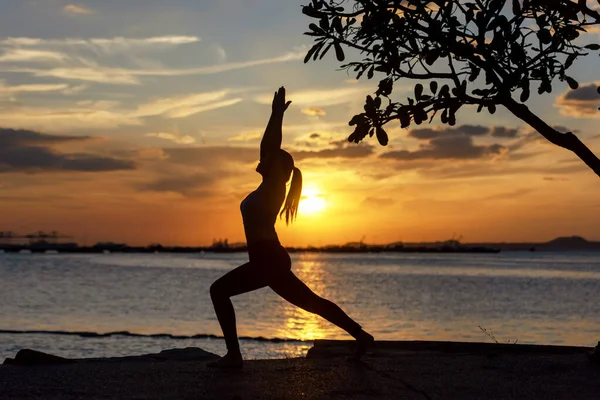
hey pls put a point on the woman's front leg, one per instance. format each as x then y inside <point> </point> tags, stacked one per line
<point>244,278</point>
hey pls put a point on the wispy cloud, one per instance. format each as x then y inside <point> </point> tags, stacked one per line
<point>320,98</point>
<point>184,106</point>
<point>110,45</point>
<point>173,137</point>
<point>27,55</point>
<point>111,75</point>
<point>221,53</point>
<point>29,41</point>
<point>580,103</point>
<point>246,136</point>
<point>11,90</point>
<point>314,112</point>
<point>104,114</point>
<point>75,9</point>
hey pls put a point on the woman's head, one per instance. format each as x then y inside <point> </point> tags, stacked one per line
<point>279,167</point>
<point>276,166</point>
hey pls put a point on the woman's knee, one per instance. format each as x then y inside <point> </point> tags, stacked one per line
<point>217,290</point>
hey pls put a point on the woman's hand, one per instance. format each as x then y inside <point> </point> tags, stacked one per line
<point>279,104</point>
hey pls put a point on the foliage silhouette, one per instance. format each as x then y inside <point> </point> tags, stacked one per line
<point>479,53</point>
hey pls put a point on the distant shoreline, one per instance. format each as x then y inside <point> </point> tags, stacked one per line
<point>573,243</point>
<point>243,249</point>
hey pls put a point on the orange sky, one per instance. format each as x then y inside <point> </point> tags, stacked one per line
<point>139,132</point>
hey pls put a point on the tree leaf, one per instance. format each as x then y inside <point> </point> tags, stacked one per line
<point>339,53</point>
<point>444,117</point>
<point>525,94</point>
<point>324,23</point>
<point>544,35</point>
<point>382,136</point>
<point>337,25</point>
<point>432,57</point>
<point>445,91</point>
<point>325,50</point>
<point>310,53</point>
<point>418,91</point>
<point>570,59</point>
<point>315,28</point>
<point>377,102</point>
<point>474,73</point>
<point>573,84</point>
<point>404,117</point>
<point>433,86</point>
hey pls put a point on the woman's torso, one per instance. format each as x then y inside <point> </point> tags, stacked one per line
<point>259,213</point>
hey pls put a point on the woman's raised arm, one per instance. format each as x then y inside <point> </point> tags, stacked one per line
<point>271,141</point>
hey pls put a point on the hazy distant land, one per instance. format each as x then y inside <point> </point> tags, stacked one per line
<point>571,243</point>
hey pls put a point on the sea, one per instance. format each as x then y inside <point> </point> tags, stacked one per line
<point>108,305</point>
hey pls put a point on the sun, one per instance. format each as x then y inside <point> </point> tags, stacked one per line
<point>312,201</point>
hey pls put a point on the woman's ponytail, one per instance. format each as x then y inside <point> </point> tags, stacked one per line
<point>293,197</point>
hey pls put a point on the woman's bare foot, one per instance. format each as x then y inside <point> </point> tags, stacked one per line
<point>231,360</point>
<point>365,342</point>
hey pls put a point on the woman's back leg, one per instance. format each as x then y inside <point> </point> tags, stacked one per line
<point>292,289</point>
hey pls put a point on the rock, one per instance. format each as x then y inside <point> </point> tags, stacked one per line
<point>187,354</point>
<point>32,357</point>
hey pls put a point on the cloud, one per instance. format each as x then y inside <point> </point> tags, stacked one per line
<point>21,137</point>
<point>378,201</point>
<point>29,151</point>
<point>468,130</point>
<point>456,143</point>
<point>75,9</point>
<point>342,149</point>
<point>111,114</point>
<point>503,132</point>
<point>110,46</point>
<point>221,53</point>
<point>194,185</point>
<point>459,171</point>
<point>246,136</point>
<point>93,72</point>
<point>327,97</point>
<point>119,41</point>
<point>211,155</point>
<point>26,55</point>
<point>186,105</point>
<point>65,119</point>
<point>580,103</point>
<point>172,137</point>
<point>447,148</point>
<point>314,111</point>
<point>30,88</point>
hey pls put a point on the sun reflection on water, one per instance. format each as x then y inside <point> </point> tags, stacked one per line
<point>301,324</point>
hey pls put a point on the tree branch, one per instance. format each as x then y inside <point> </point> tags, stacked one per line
<point>565,140</point>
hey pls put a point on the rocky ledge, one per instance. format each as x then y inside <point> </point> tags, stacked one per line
<point>407,370</point>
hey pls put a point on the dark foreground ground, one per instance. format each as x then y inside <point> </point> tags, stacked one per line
<point>395,370</point>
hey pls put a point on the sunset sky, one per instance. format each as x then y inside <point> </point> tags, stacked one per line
<point>139,121</point>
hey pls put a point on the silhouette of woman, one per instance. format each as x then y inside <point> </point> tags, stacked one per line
<point>270,264</point>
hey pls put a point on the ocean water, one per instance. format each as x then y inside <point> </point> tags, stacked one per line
<point>161,301</point>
